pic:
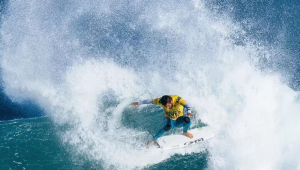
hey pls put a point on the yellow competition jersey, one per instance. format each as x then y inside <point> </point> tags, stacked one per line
<point>177,108</point>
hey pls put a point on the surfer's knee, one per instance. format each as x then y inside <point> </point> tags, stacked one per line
<point>167,127</point>
<point>186,120</point>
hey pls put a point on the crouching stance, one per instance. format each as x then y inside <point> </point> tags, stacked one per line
<point>173,107</point>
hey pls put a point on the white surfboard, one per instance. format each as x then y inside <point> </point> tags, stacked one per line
<point>179,140</point>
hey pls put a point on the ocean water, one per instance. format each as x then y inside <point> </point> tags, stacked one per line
<point>70,69</point>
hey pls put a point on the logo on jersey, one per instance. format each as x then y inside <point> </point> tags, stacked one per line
<point>173,113</point>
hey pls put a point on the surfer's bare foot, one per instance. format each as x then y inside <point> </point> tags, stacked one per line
<point>151,143</point>
<point>187,134</point>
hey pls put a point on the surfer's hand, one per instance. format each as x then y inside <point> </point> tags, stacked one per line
<point>190,114</point>
<point>135,104</point>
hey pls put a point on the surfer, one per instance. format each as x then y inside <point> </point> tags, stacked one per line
<point>173,106</point>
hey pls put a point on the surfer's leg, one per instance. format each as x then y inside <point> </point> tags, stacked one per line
<point>168,126</point>
<point>159,134</point>
<point>185,122</point>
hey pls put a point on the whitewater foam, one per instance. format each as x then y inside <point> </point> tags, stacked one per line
<point>145,51</point>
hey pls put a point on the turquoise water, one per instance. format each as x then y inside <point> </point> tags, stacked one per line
<point>34,143</point>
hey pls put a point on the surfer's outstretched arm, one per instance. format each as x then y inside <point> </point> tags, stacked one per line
<point>148,101</point>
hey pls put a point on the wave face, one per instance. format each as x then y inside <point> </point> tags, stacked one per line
<point>83,63</point>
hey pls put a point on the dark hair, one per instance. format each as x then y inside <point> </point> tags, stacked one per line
<point>165,99</point>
